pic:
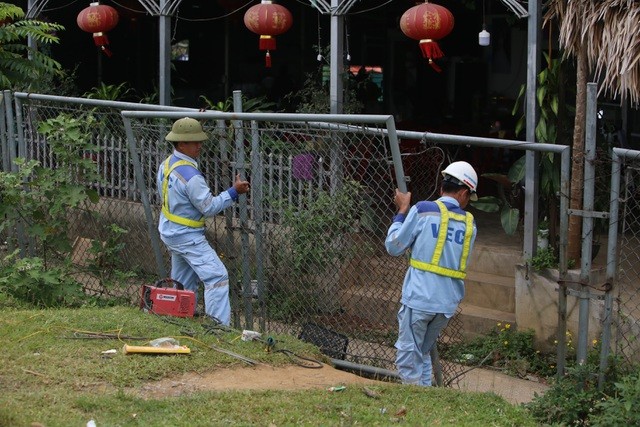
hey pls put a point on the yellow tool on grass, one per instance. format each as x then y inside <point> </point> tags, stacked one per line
<point>134,349</point>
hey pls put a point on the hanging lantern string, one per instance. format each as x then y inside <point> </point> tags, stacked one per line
<point>319,57</point>
<point>215,18</point>
<point>483,15</point>
<point>175,30</point>
<point>177,16</point>
<point>346,32</point>
<point>370,9</point>
<point>126,8</point>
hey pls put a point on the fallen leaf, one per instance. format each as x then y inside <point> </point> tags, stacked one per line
<point>371,393</point>
<point>402,412</point>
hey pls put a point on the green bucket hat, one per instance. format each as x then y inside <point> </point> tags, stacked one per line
<point>186,130</point>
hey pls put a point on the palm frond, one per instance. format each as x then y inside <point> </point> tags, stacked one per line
<point>608,29</point>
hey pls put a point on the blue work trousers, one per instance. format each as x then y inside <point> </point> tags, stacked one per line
<point>197,261</point>
<point>418,333</point>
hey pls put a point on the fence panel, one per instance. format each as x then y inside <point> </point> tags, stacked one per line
<point>304,249</point>
<point>627,319</point>
<point>117,218</point>
<point>306,253</point>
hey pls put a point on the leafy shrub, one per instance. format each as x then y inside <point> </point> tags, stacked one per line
<point>31,281</point>
<point>570,400</point>
<point>39,198</point>
<point>21,65</point>
<point>544,258</point>
<point>505,348</point>
<point>574,399</point>
<point>38,201</point>
<point>309,249</point>
<point>623,407</point>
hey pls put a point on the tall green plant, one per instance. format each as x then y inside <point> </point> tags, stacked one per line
<point>313,96</point>
<point>308,253</point>
<point>314,230</point>
<point>21,66</point>
<point>553,127</point>
<point>258,104</point>
<point>109,92</point>
<point>39,199</point>
<point>508,199</point>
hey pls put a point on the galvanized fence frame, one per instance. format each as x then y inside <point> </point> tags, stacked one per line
<point>234,220</point>
<point>313,121</point>
<point>23,113</point>
<point>622,320</point>
<point>247,224</point>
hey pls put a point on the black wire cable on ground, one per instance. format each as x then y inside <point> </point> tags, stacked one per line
<point>304,362</point>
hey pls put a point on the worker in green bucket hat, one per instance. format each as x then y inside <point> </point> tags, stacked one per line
<point>186,201</point>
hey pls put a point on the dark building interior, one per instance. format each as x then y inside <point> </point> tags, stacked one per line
<point>458,96</point>
<point>214,54</point>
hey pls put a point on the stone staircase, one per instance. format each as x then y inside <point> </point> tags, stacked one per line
<point>371,286</point>
<point>490,283</point>
<point>489,288</point>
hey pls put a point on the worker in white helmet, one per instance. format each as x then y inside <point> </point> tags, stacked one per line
<point>440,236</point>
<point>186,201</point>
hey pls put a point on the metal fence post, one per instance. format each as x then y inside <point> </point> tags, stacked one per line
<point>587,222</point>
<point>257,200</point>
<point>144,197</point>
<point>612,264</point>
<point>612,267</point>
<point>241,167</point>
<point>13,148</point>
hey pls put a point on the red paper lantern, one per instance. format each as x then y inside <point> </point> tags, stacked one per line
<point>98,19</point>
<point>268,20</point>
<point>428,22</point>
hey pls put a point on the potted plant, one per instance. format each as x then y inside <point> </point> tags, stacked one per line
<point>543,234</point>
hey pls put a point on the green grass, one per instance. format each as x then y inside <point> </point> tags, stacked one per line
<point>49,376</point>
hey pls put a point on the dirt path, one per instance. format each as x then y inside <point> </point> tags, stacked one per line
<point>260,377</point>
<point>265,377</point>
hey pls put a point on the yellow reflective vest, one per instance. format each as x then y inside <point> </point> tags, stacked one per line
<point>165,196</point>
<point>434,266</point>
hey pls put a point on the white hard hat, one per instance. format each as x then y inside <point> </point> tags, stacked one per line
<point>464,174</point>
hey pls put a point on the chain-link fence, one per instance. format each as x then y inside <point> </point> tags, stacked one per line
<point>627,293</point>
<point>305,248</point>
<point>108,238</point>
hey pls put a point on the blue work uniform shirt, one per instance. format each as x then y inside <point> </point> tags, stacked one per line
<point>417,231</point>
<point>189,197</point>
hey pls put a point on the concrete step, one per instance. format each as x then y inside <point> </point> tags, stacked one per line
<point>381,307</point>
<point>494,259</point>
<point>376,305</point>
<point>490,291</point>
<point>478,321</point>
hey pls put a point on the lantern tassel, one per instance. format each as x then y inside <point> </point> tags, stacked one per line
<point>267,43</point>
<point>102,41</point>
<point>431,51</point>
<point>267,59</point>
<point>434,66</point>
